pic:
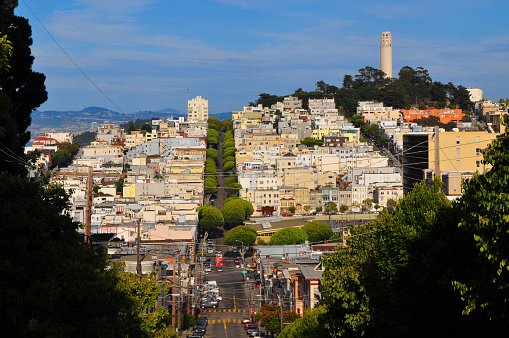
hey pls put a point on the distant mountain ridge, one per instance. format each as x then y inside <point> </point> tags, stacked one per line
<point>79,121</point>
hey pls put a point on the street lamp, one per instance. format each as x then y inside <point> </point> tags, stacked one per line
<point>241,250</point>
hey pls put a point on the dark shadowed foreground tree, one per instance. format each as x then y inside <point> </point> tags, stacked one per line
<point>484,209</point>
<point>54,285</point>
<point>24,87</point>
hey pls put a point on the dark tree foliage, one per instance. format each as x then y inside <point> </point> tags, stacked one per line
<point>24,87</point>
<point>50,279</point>
<point>266,100</point>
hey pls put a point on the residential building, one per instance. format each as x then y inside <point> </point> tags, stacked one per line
<point>198,109</point>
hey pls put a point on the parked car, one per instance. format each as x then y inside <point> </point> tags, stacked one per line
<point>208,268</point>
<point>202,322</point>
<point>200,328</point>
<point>211,303</point>
<point>284,215</point>
<point>246,321</point>
<point>237,263</point>
<point>250,325</point>
<point>197,334</point>
<point>210,250</point>
<point>257,334</point>
<point>250,330</point>
<point>235,249</point>
<point>220,268</point>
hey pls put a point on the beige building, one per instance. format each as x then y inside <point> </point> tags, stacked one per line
<point>299,177</point>
<point>382,194</point>
<point>198,109</point>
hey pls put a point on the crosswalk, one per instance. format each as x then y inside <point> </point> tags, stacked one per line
<point>224,310</point>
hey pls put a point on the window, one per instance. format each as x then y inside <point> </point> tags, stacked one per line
<point>457,140</point>
<point>478,164</point>
<point>458,164</point>
<point>478,139</point>
<point>478,151</point>
<point>458,152</point>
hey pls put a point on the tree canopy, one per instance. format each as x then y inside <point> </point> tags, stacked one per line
<point>317,231</point>
<point>288,236</point>
<point>243,233</point>
<point>209,217</point>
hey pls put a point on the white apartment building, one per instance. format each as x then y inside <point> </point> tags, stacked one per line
<point>198,109</point>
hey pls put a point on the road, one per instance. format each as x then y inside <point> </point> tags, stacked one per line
<point>225,320</point>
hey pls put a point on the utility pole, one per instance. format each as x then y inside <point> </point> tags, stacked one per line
<point>437,154</point>
<point>179,285</point>
<point>138,261</point>
<point>173,291</point>
<point>88,212</point>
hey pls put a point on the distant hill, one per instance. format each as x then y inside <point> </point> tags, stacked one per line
<point>77,122</point>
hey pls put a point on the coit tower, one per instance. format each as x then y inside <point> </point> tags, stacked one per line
<point>386,54</point>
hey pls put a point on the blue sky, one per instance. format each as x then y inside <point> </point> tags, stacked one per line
<point>145,54</point>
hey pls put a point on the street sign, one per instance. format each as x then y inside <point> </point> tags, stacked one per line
<point>252,312</point>
<point>244,271</point>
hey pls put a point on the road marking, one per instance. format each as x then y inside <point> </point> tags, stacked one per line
<point>234,304</point>
<point>229,310</point>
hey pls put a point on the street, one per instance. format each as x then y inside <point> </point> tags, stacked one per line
<point>225,320</point>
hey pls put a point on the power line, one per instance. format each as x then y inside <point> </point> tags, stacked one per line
<point>75,64</point>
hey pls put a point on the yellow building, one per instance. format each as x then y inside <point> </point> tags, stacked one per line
<point>458,152</point>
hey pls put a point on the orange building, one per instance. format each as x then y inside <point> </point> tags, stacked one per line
<point>445,115</point>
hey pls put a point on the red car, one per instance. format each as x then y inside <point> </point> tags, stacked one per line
<point>284,215</point>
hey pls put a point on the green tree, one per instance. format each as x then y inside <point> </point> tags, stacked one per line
<point>269,317</point>
<point>227,166</point>
<point>230,179</point>
<point>213,154</point>
<point>130,127</point>
<point>287,236</point>
<point>234,213</point>
<point>243,233</point>
<point>343,208</point>
<point>212,141</point>
<point>229,159</point>
<point>483,209</point>
<point>212,133</point>
<point>317,231</point>
<point>233,188</point>
<point>228,143</point>
<point>147,127</point>
<point>209,217</point>
<point>330,207</point>
<point>362,278</point>
<point>292,209</point>
<point>309,325</point>
<point>51,304</point>
<point>226,124</point>
<point>229,152</point>
<point>210,184</point>
<point>213,123</point>
<point>60,158</point>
